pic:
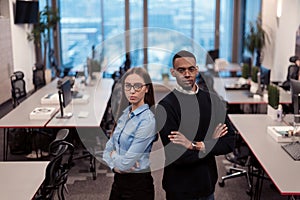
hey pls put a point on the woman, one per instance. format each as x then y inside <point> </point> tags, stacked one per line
<point>128,149</point>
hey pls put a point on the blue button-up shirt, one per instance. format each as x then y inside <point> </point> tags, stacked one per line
<point>132,140</point>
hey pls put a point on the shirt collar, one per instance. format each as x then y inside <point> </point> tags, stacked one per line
<point>137,111</point>
<point>189,92</point>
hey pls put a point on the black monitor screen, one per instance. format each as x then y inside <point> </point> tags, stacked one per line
<point>211,56</point>
<point>65,97</point>
<point>295,91</point>
<point>66,92</point>
<point>26,12</point>
<point>265,75</point>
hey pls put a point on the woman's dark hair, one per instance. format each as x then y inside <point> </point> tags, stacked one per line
<point>149,96</point>
<point>121,99</point>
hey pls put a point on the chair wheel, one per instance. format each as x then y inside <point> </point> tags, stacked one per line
<point>249,192</point>
<point>221,183</point>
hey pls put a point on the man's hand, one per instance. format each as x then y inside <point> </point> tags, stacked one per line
<point>178,138</point>
<point>220,131</point>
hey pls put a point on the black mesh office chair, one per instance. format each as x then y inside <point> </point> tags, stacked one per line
<point>18,87</point>
<point>293,71</point>
<point>241,160</point>
<point>38,74</point>
<point>58,168</point>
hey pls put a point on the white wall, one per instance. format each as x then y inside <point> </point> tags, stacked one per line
<point>282,35</point>
<point>23,50</point>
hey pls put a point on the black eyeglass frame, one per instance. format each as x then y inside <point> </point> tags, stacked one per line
<point>136,86</point>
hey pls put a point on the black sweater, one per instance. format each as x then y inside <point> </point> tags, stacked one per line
<point>196,116</point>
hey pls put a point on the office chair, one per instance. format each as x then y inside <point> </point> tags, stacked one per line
<point>240,156</point>
<point>18,87</point>
<point>58,168</point>
<point>293,71</point>
<point>38,76</point>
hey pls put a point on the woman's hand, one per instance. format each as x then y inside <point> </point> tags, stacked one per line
<point>177,137</point>
<point>220,131</point>
<point>112,153</point>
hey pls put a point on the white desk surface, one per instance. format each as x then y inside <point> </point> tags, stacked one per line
<point>99,94</point>
<point>241,96</point>
<point>234,96</point>
<point>21,180</point>
<point>19,117</point>
<point>281,168</point>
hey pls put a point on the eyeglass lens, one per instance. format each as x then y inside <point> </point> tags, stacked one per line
<point>136,86</point>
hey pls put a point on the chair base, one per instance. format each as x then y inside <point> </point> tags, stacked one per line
<point>234,173</point>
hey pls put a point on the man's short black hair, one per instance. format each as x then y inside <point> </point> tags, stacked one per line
<point>183,54</point>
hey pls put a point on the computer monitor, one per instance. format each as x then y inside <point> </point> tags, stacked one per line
<point>26,12</point>
<point>65,97</point>
<point>265,75</point>
<point>211,56</point>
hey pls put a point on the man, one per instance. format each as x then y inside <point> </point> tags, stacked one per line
<point>194,127</point>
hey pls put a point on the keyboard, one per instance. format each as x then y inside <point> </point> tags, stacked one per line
<point>293,149</point>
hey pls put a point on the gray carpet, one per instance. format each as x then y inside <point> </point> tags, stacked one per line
<point>81,186</point>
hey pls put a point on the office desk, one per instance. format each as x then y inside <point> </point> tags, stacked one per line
<point>19,117</point>
<point>88,128</point>
<point>281,168</point>
<point>99,94</point>
<point>239,100</point>
<point>241,96</point>
<point>234,96</point>
<point>21,180</point>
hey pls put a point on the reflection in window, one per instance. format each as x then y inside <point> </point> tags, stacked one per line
<point>80,30</point>
<point>184,24</point>
<point>204,26</point>
<point>226,22</point>
<point>173,25</point>
<point>251,13</point>
<point>136,39</point>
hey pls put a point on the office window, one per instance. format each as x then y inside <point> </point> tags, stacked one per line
<point>252,10</point>
<point>226,22</point>
<point>173,25</point>
<point>113,50</point>
<point>80,30</point>
<point>204,23</point>
<point>136,26</point>
<point>189,25</point>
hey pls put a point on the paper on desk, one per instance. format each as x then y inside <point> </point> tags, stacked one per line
<point>281,133</point>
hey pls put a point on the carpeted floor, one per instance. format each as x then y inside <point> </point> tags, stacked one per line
<point>82,186</point>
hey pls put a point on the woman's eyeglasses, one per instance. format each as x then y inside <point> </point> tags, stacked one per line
<point>136,86</point>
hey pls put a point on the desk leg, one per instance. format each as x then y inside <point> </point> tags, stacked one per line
<point>5,144</point>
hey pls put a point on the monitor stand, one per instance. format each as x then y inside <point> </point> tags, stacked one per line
<point>64,116</point>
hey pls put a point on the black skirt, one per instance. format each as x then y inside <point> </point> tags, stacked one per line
<point>132,186</point>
